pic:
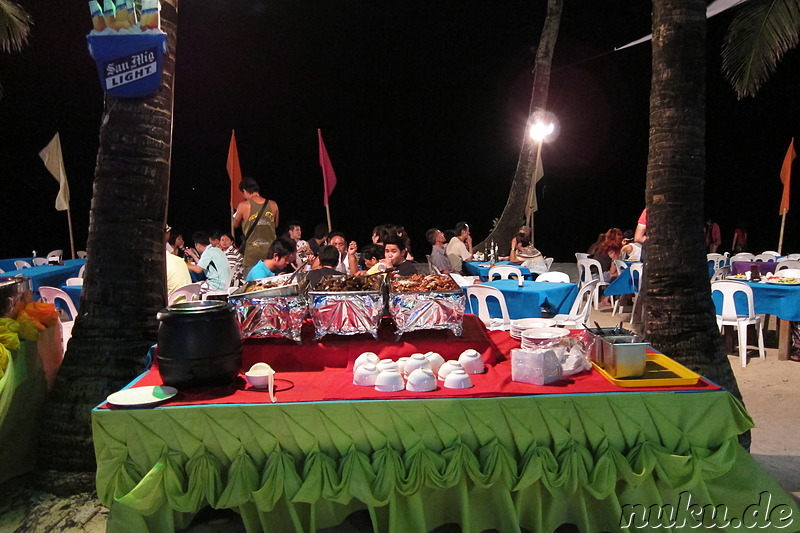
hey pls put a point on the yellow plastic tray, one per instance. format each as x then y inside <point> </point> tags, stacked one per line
<point>659,371</point>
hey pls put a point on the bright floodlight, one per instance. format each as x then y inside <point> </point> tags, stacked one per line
<point>540,130</point>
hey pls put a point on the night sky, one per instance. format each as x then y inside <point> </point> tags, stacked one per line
<point>421,105</point>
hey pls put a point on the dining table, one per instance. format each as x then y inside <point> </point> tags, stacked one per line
<point>8,264</point>
<point>622,284</point>
<point>49,275</point>
<point>74,292</point>
<point>501,455</point>
<point>771,298</point>
<point>481,269</point>
<point>529,299</point>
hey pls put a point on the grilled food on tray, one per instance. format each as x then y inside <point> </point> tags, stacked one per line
<point>419,283</point>
<point>349,283</point>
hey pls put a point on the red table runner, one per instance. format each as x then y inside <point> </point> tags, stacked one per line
<point>322,371</point>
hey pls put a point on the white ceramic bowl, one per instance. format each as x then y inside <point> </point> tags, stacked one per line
<point>472,362</point>
<point>365,375</point>
<point>366,357</point>
<point>414,362</point>
<point>421,380</point>
<point>401,365</point>
<point>436,361</point>
<point>447,367</point>
<point>457,379</point>
<point>387,364</point>
<point>389,381</point>
<point>259,375</point>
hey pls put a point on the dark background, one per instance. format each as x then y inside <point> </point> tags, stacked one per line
<point>422,107</point>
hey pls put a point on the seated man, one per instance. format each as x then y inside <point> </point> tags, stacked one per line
<point>212,262</point>
<point>177,273</point>
<point>233,255</point>
<point>394,251</point>
<point>348,262</point>
<point>279,254</point>
<point>459,249</point>
<point>438,256</point>
<point>324,265</point>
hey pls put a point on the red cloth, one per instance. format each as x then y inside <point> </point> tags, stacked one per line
<point>322,371</point>
<point>234,171</point>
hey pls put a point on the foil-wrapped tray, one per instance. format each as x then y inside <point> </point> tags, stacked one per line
<point>283,285</point>
<point>269,316</point>
<point>413,311</point>
<point>345,313</point>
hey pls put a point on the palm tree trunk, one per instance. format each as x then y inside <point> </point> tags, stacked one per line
<point>513,215</point>
<point>124,285</point>
<point>680,314</point>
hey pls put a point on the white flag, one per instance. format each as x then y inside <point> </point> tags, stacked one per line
<point>51,155</point>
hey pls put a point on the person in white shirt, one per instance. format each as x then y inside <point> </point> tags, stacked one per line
<point>348,262</point>
<point>459,249</point>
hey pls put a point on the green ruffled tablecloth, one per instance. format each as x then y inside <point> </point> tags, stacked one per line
<point>533,462</point>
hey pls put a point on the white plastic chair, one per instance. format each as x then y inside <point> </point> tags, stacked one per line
<point>581,255</point>
<point>505,272</point>
<point>772,253</point>
<point>548,261</point>
<point>621,265</point>
<point>636,279</point>
<point>55,254</point>
<point>187,293</point>
<point>788,273</point>
<point>721,273</point>
<point>789,263</point>
<point>793,257</point>
<point>743,256</point>
<point>82,271</point>
<point>729,316</point>
<point>433,267</point>
<point>81,254</point>
<point>719,260</point>
<point>766,258</point>
<point>554,277</point>
<point>2,271</point>
<point>19,264</point>
<point>74,282</point>
<point>482,293</point>
<point>51,295</point>
<point>39,261</point>
<point>589,269</point>
<point>581,307</point>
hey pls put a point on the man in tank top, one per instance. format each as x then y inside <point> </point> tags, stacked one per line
<point>263,234</point>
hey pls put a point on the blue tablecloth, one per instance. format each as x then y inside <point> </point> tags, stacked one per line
<point>481,268</point>
<point>74,292</point>
<point>50,275</point>
<point>527,301</point>
<point>622,285</point>
<point>782,301</point>
<point>8,264</point>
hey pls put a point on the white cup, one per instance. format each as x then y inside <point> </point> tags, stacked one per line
<point>401,365</point>
<point>365,375</point>
<point>435,360</point>
<point>447,367</point>
<point>389,381</point>
<point>366,357</point>
<point>472,362</point>
<point>457,379</point>
<point>421,380</point>
<point>387,364</point>
<point>414,362</point>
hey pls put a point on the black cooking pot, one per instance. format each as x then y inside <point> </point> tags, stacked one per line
<point>199,344</point>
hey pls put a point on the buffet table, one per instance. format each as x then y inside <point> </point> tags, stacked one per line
<point>503,455</point>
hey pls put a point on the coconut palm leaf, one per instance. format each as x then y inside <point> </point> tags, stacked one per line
<point>759,36</point>
<point>15,26</point>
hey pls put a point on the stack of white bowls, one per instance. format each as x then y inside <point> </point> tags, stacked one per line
<point>521,324</point>
<point>538,338</point>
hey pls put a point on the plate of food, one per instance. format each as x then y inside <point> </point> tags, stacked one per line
<point>783,281</point>
<point>738,276</point>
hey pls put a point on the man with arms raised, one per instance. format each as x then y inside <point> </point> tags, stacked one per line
<point>258,218</point>
<point>459,249</point>
<point>348,262</point>
<point>281,252</point>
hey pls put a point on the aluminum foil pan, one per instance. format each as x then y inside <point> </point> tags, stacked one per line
<point>15,293</point>
<point>276,316</point>
<point>285,286</point>
<point>345,313</point>
<point>413,311</point>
